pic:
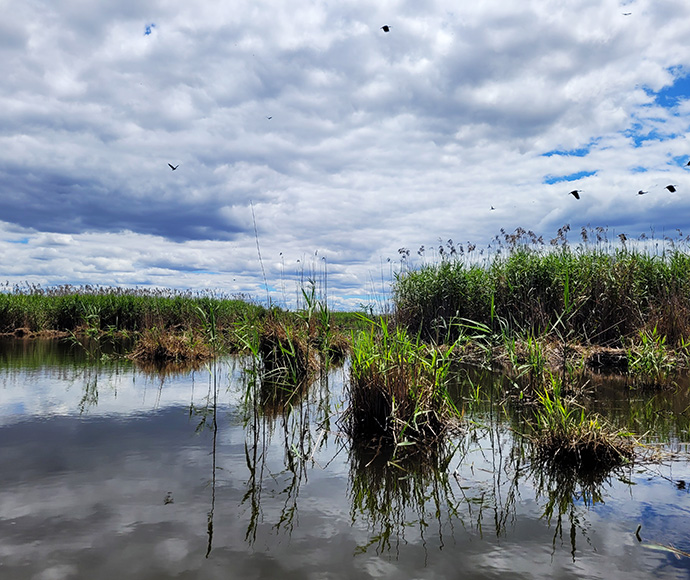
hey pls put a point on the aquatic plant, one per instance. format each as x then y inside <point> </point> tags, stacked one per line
<point>397,389</point>
<point>649,361</point>
<point>566,436</point>
<point>285,350</point>
<point>158,346</point>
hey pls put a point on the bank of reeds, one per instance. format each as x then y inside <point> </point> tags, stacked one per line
<point>95,309</point>
<point>398,396</point>
<point>615,291</point>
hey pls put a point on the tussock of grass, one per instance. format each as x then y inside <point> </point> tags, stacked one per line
<point>156,346</point>
<point>565,437</point>
<point>397,390</point>
<point>285,350</point>
<point>586,449</point>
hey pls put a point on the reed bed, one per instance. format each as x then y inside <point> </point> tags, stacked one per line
<point>612,292</point>
<point>97,309</point>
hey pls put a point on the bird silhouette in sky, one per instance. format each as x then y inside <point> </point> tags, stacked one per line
<point>671,188</point>
<point>641,192</point>
<point>386,28</point>
<point>576,193</point>
<point>173,167</point>
<point>269,118</point>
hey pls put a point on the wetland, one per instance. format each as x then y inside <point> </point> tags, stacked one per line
<point>527,416</point>
<point>112,469</point>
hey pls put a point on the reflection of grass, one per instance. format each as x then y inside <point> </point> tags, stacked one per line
<point>564,488</point>
<point>397,497</point>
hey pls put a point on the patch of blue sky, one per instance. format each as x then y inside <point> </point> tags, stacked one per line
<point>550,179</point>
<point>639,169</point>
<point>669,96</point>
<point>149,29</point>
<point>639,135</point>
<point>578,152</point>
<point>19,241</point>
<point>679,159</point>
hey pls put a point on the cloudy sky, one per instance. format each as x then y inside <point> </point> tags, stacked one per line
<point>306,134</point>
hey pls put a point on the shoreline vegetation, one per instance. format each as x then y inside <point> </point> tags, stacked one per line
<point>545,315</point>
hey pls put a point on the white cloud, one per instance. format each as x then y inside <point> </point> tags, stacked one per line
<point>376,140</point>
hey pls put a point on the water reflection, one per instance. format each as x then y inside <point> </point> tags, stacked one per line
<point>395,496</point>
<point>294,418</point>
<point>107,469</point>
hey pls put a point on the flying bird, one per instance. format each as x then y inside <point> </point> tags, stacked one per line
<point>641,192</point>
<point>386,28</point>
<point>173,167</point>
<point>671,188</point>
<point>269,118</point>
<point>576,193</point>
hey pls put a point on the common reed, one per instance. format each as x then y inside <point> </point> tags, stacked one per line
<point>615,290</point>
<point>112,309</point>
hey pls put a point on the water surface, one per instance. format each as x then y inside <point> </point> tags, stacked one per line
<point>108,471</point>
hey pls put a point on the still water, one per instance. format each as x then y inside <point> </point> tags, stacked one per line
<point>110,471</point>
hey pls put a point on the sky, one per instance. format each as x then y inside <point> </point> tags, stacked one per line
<point>310,144</point>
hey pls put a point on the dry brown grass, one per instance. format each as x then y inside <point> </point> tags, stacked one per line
<point>156,346</point>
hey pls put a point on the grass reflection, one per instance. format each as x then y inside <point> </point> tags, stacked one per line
<point>565,490</point>
<point>295,419</point>
<point>395,496</point>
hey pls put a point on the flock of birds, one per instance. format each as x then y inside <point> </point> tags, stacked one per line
<point>576,192</point>
<point>671,188</point>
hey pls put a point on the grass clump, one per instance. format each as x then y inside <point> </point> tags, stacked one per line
<point>397,389</point>
<point>650,362</point>
<point>285,350</point>
<point>567,438</point>
<point>155,346</point>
